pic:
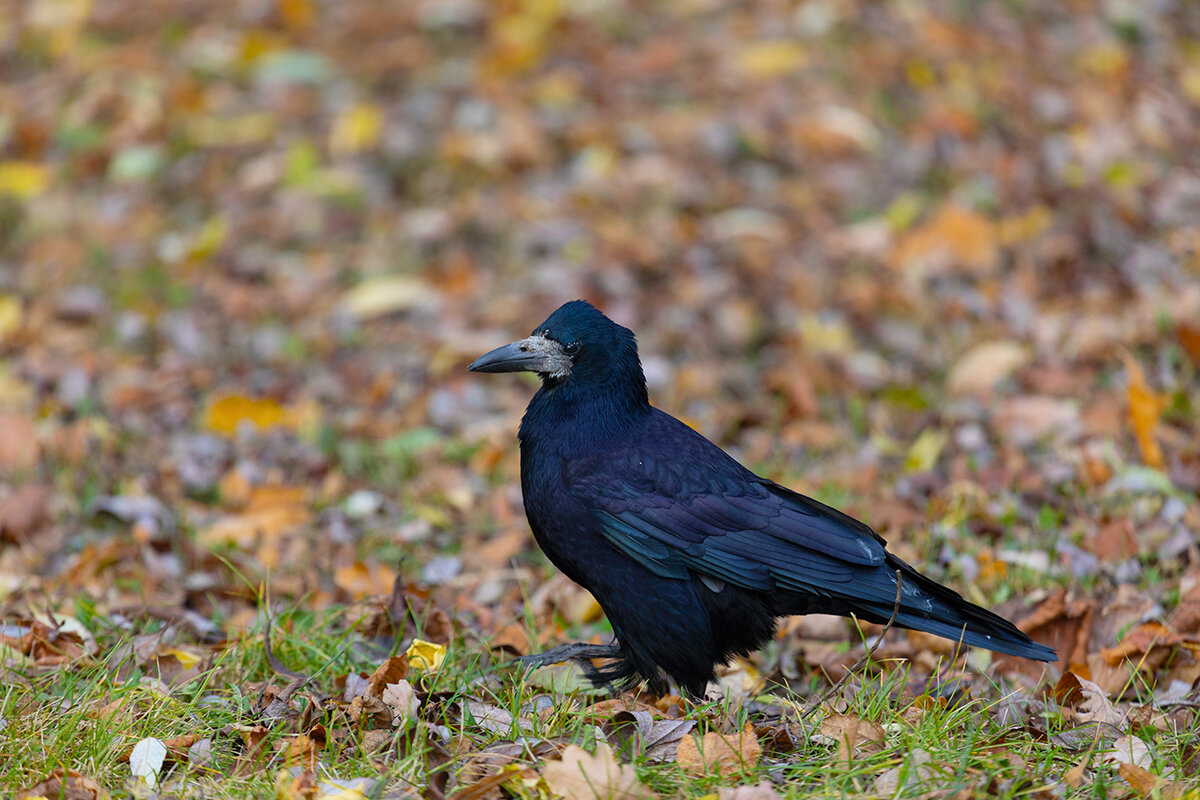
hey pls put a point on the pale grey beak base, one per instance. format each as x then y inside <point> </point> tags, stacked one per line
<point>535,354</point>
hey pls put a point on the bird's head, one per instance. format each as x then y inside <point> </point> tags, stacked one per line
<point>576,345</point>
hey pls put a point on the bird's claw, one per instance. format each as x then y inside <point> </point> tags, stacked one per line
<point>579,652</point>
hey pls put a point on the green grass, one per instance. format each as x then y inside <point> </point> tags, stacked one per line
<point>52,719</point>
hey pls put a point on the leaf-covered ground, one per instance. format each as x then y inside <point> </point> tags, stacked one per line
<point>935,263</point>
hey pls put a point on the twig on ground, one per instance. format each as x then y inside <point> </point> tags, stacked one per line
<point>866,659</point>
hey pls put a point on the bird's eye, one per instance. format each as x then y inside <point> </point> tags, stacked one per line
<point>571,349</point>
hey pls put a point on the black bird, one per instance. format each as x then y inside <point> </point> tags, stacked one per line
<point>692,556</point>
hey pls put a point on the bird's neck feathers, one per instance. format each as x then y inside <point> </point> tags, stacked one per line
<point>593,404</point>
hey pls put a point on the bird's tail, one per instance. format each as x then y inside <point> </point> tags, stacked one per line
<point>926,605</point>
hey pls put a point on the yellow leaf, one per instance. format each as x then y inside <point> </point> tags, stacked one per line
<point>519,37</point>
<point>23,179</point>
<point>226,413</point>
<point>207,240</point>
<point>771,59</point>
<point>1145,407</point>
<point>923,454</point>
<point>356,129</point>
<point>10,315</point>
<point>1189,82</point>
<point>425,655</point>
<point>185,658</point>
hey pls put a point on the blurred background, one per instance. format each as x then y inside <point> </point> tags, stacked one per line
<point>933,262</point>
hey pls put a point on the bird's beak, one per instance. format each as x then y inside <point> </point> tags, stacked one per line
<point>535,354</point>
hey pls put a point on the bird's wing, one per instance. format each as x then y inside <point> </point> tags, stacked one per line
<point>677,503</point>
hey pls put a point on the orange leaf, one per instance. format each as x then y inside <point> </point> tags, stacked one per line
<point>1145,406</point>
<point>224,414</point>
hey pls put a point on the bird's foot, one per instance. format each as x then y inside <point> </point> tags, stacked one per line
<point>579,652</point>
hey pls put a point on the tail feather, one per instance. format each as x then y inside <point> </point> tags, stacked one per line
<point>926,605</point>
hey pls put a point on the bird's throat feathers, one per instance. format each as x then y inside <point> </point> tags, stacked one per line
<point>587,409</point>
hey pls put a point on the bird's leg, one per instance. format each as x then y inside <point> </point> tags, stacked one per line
<point>581,653</point>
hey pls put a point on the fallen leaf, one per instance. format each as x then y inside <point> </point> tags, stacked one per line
<point>764,790</point>
<point>494,719</point>
<point>1085,703</point>
<point>637,731</point>
<point>23,179</point>
<point>355,129</point>
<point>64,784</point>
<point>146,760</point>
<point>11,313</point>
<point>1145,408</point>
<point>24,511</point>
<point>19,447</point>
<point>1141,641</point>
<point>956,238</point>
<point>985,365</point>
<point>771,59</point>
<point>918,771</point>
<point>377,297</point>
<point>300,787</point>
<point>1114,542</point>
<point>425,656</point>
<point>391,671</point>
<point>583,776</point>
<point>511,637</point>
<point>361,580</point>
<point>853,734</point>
<point>399,697</point>
<point>1129,750</point>
<point>722,754</point>
<point>305,749</point>
<point>1146,784</point>
<point>225,413</point>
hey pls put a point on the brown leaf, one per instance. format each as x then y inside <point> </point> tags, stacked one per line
<point>1141,643</point>
<point>19,448</point>
<point>394,670</point>
<point>1114,542</point>
<point>1189,338</point>
<point>722,754</point>
<point>1146,784</point>
<point>367,711</point>
<point>64,784</point>
<point>304,750</point>
<point>511,637</point>
<point>1084,702</point>
<point>583,776</point>
<point>24,511</point>
<point>302,787</point>
<point>853,734</point>
<point>361,580</point>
